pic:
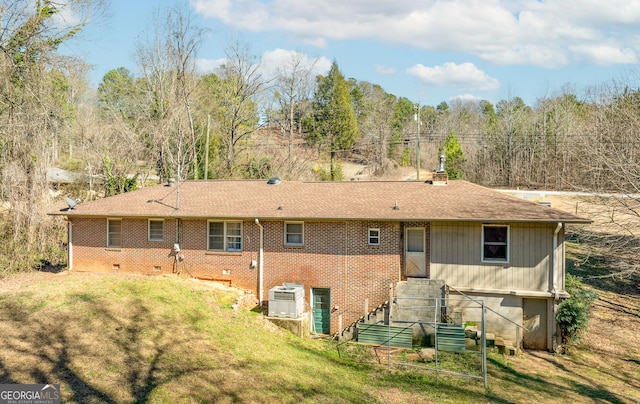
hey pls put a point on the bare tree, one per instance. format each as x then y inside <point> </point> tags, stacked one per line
<point>167,61</point>
<point>375,123</point>
<point>294,84</point>
<point>610,166</point>
<point>233,96</point>
<point>35,109</point>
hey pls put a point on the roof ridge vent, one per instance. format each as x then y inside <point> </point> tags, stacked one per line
<point>274,181</point>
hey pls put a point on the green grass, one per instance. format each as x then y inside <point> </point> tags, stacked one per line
<point>115,339</point>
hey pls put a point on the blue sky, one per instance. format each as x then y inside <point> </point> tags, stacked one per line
<point>427,50</point>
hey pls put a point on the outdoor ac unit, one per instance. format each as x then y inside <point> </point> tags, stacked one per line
<point>286,301</point>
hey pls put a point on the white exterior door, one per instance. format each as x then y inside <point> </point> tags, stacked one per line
<point>414,252</point>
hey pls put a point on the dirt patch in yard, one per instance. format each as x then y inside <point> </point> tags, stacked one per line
<point>16,281</point>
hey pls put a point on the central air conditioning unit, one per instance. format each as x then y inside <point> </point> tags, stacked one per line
<point>286,301</point>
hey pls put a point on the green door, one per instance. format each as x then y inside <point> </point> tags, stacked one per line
<point>321,310</point>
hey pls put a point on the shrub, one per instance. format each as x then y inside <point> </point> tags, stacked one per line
<point>72,164</point>
<point>327,175</point>
<point>258,169</point>
<point>454,157</point>
<point>573,313</point>
<point>406,157</point>
<point>117,184</point>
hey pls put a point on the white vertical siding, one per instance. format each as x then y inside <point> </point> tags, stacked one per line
<point>456,257</point>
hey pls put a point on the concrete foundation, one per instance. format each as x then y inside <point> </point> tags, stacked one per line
<point>297,326</point>
<point>415,303</point>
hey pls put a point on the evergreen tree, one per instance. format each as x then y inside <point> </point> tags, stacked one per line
<point>118,93</point>
<point>453,156</point>
<point>333,125</point>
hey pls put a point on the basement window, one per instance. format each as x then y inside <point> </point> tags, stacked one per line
<point>495,243</point>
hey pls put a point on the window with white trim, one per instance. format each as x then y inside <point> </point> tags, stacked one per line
<point>495,243</point>
<point>374,236</point>
<point>224,236</point>
<point>114,233</point>
<point>156,230</point>
<point>294,233</point>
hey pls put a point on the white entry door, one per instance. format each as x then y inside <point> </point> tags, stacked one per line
<point>415,259</point>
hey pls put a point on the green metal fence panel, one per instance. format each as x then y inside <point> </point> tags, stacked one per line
<point>380,334</point>
<point>450,338</point>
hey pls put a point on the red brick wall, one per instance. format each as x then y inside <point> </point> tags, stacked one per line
<point>335,255</point>
<point>137,255</point>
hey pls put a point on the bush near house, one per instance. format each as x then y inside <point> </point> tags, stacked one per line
<point>573,313</point>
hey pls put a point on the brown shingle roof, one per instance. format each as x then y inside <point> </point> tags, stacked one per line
<point>459,200</point>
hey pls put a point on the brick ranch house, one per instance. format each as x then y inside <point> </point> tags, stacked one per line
<point>344,241</point>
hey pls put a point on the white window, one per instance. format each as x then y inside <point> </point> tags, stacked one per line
<point>374,236</point>
<point>225,236</point>
<point>293,233</point>
<point>495,243</point>
<point>114,233</point>
<point>156,230</point>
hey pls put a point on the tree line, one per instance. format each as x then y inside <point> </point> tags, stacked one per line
<point>168,120</point>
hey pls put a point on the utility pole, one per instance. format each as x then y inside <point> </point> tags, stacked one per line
<point>416,117</point>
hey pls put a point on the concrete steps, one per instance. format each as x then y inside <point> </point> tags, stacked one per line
<point>504,346</point>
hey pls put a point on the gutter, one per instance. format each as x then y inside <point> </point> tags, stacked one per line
<point>260,262</point>
<point>552,306</point>
<point>381,218</point>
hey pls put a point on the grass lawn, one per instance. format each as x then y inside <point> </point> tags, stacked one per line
<point>124,339</point>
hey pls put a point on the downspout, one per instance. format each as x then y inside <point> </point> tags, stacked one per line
<point>69,244</point>
<point>260,262</point>
<point>554,262</point>
<point>176,248</point>
<point>551,321</point>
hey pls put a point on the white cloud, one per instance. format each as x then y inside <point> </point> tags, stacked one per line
<point>386,70</point>
<point>550,33</point>
<point>272,62</point>
<point>465,76</point>
<point>605,54</point>
<point>465,98</point>
<point>278,59</point>
<point>206,66</point>
<point>251,15</point>
<point>69,14</point>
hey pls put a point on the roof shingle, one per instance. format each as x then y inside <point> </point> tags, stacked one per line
<point>355,200</point>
